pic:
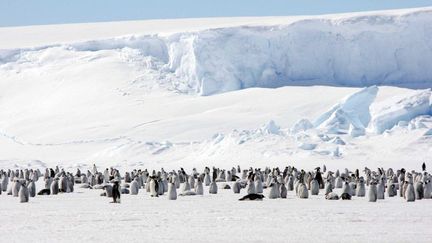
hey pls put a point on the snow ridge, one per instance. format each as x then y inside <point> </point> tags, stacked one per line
<point>357,51</point>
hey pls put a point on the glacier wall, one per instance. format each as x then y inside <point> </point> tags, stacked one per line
<point>359,50</point>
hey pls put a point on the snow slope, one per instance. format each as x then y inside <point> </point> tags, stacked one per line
<point>389,48</point>
<point>158,94</point>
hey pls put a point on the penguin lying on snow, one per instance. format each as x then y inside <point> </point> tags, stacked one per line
<point>44,192</point>
<point>332,196</point>
<point>252,197</point>
<point>345,196</point>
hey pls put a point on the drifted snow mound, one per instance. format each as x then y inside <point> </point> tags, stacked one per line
<point>239,137</point>
<point>351,114</point>
<point>402,111</point>
<point>301,126</point>
<point>388,48</point>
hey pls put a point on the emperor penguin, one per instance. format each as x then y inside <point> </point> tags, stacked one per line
<point>108,190</point>
<point>373,192</point>
<point>164,182</point>
<point>185,186</point>
<point>427,193</point>
<point>419,190</point>
<point>290,183</point>
<point>161,189</point>
<point>258,185</point>
<point>236,187</point>
<point>274,189</point>
<point>116,192</point>
<point>172,190</point>
<point>332,196</point>
<point>314,187</point>
<point>391,190</point>
<point>409,193</point>
<point>32,189</point>
<point>147,184</point>
<point>23,192</point>
<point>16,187</point>
<point>207,179</point>
<point>134,188</point>
<point>54,187</point>
<point>302,191</point>
<point>283,190</point>
<point>251,186</point>
<point>353,187</point>
<point>48,181</point>
<point>84,179</point>
<point>63,184</point>
<point>199,188</point>
<point>346,188</point>
<point>154,187</point>
<point>213,188</point>
<point>229,176</point>
<point>127,177</point>
<point>381,189</point>
<point>361,187</point>
<point>192,181</point>
<point>177,180</point>
<point>4,182</point>
<point>70,183</point>
<point>339,182</point>
<point>328,187</point>
<point>319,178</point>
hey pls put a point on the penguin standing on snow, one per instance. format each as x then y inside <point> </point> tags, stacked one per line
<point>213,186</point>
<point>319,178</point>
<point>16,185</point>
<point>328,187</point>
<point>419,190</point>
<point>314,187</point>
<point>361,188</point>
<point>251,185</point>
<point>381,189</point>
<point>172,190</point>
<point>427,193</point>
<point>236,187</point>
<point>346,191</point>
<point>116,192</point>
<point>391,190</point>
<point>424,166</point>
<point>23,192</point>
<point>274,189</point>
<point>185,186</point>
<point>409,192</point>
<point>4,182</point>
<point>199,188</point>
<point>134,188</point>
<point>207,179</point>
<point>32,189</point>
<point>154,187</point>
<point>290,183</point>
<point>373,192</point>
<point>55,187</point>
<point>283,190</point>
<point>258,184</point>
<point>302,191</point>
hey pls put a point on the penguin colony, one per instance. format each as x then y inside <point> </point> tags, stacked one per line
<point>373,185</point>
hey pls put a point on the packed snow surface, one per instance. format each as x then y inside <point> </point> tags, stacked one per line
<point>84,216</point>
